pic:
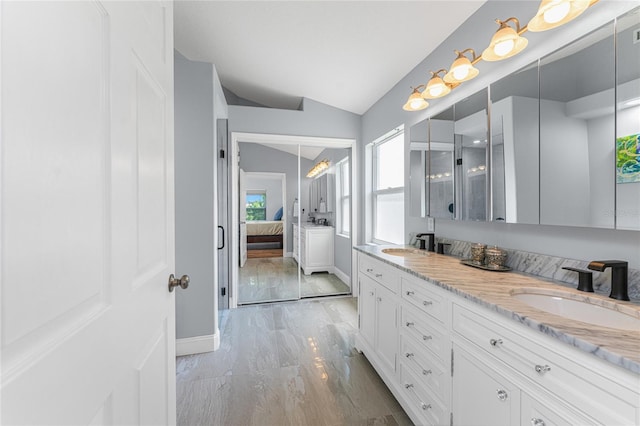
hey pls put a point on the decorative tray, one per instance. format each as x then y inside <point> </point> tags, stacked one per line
<point>470,262</point>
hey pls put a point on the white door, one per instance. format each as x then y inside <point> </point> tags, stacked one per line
<point>243,218</point>
<point>86,198</point>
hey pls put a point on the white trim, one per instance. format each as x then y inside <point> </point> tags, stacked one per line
<point>288,254</point>
<point>198,344</point>
<point>343,277</point>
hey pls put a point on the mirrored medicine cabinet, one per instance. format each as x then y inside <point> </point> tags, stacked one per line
<point>554,143</point>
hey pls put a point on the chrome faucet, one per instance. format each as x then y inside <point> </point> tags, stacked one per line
<point>619,273</point>
<point>431,237</point>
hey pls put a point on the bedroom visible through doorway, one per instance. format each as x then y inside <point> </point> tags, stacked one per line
<point>264,201</point>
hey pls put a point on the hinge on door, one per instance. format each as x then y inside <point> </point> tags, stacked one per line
<point>452,365</point>
<point>222,153</point>
<point>223,291</point>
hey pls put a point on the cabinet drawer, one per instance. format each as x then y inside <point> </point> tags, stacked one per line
<point>424,403</point>
<point>382,273</point>
<point>429,333</point>
<point>549,413</point>
<point>592,391</point>
<point>432,372</point>
<point>428,301</point>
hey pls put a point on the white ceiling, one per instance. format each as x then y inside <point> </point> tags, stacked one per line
<point>346,54</point>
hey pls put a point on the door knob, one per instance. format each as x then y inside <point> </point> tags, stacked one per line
<point>174,282</point>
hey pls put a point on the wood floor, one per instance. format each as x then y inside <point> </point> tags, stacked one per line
<point>275,279</point>
<point>286,364</point>
<point>263,253</point>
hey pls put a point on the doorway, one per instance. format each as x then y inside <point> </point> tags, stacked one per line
<point>287,279</point>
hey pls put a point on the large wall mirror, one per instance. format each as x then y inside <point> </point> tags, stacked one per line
<point>577,101</point>
<point>628,122</point>
<point>472,156</point>
<point>514,147</point>
<point>418,169</point>
<point>442,183</point>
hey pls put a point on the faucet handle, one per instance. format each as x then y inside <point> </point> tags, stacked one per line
<point>585,278</point>
<point>440,247</point>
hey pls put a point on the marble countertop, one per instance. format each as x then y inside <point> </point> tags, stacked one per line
<point>494,290</point>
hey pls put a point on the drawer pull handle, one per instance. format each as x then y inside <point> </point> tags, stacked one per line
<point>379,299</point>
<point>378,275</point>
<point>537,422</point>
<point>408,354</point>
<point>425,337</point>
<point>410,324</point>
<point>426,372</point>
<point>425,406</point>
<point>410,293</point>
<point>542,369</point>
<point>502,394</point>
<point>408,386</point>
<point>369,270</point>
<point>427,303</point>
<point>495,342</point>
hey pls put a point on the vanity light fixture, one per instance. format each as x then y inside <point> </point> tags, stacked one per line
<point>506,42</point>
<point>318,168</point>
<point>415,102</point>
<point>553,13</point>
<point>462,68</point>
<point>436,87</point>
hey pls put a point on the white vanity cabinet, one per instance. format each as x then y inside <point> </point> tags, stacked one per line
<point>378,314</point>
<point>314,249</point>
<point>459,363</point>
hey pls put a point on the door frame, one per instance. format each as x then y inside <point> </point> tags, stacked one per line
<point>261,138</point>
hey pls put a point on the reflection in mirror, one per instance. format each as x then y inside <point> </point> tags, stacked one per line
<point>628,123</point>
<point>514,147</point>
<point>418,169</point>
<point>577,131</point>
<point>441,172</point>
<point>470,129</point>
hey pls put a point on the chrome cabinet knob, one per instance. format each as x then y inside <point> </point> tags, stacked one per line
<point>502,394</point>
<point>409,324</point>
<point>371,293</point>
<point>426,337</point>
<point>369,270</point>
<point>427,303</point>
<point>542,369</point>
<point>410,293</point>
<point>378,275</point>
<point>408,386</point>
<point>537,422</point>
<point>408,354</point>
<point>182,282</point>
<point>426,372</point>
<point>495,342</point>
<point>425,406</point>
<point>379,299</point>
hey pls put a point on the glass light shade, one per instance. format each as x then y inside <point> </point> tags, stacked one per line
<point>461,70</point>
<point>415,102</point>
<point>505,43</point>
<point>436,88</point>
<point>553,13</point>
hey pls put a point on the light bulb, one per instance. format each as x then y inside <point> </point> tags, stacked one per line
<point>461,72</point>
<point>435,90</point>
<point>557,13</point>
<point>476,141</point>
<point>416,103</point>
<point>504,47</point>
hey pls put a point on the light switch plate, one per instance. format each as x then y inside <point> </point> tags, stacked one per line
<point>431,224</point>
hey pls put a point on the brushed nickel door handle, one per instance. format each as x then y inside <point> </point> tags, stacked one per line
<point>182,282</point>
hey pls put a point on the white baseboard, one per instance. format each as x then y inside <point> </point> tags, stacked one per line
<point>198,344</point>
<point>288,254</point>
<point>343,277</point>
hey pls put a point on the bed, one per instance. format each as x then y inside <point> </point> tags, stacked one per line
<point>265,231</point>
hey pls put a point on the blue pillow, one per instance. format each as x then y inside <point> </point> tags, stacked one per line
<point>278,215</point>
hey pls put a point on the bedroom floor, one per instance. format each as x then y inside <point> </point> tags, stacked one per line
<point>273,279</point>
<point>284,364</point>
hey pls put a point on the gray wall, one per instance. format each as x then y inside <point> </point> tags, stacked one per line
<point>259,158</point>
<point>579,243</point>
<point>198,103</point>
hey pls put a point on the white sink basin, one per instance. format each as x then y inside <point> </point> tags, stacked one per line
<point>405,252</point>
<point>585,309</point>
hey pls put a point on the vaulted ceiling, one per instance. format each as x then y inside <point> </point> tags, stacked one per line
<point>346,54</point>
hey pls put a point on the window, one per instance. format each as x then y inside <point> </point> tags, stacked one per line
<point>387,188</point>
<point>256,205</point>
<point>343,217</point>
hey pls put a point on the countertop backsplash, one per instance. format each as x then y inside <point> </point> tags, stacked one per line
<point>546,266</point>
